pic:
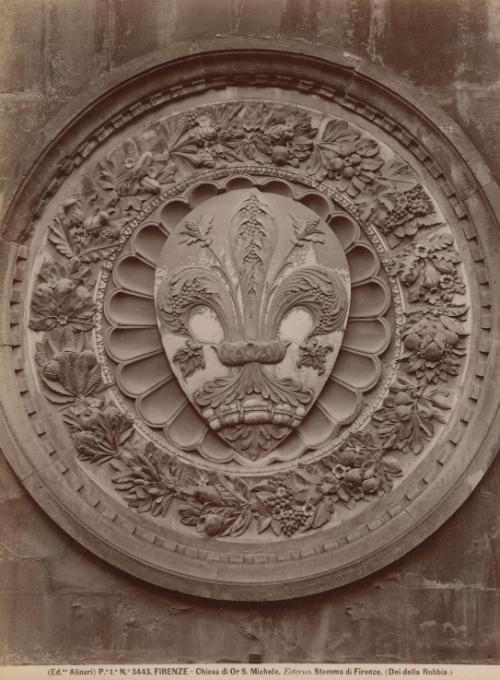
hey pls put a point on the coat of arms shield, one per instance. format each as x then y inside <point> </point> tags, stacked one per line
<point>252,297</point>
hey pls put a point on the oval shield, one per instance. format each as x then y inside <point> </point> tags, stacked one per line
<point>252,295</point>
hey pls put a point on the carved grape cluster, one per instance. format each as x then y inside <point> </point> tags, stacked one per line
<point>284,509</point>
<point>409,204</point>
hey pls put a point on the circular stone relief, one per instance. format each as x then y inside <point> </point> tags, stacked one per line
<point>251,336</point>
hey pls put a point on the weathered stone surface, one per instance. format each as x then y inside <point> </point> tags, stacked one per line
<point>451,603</point>
<point>427,606</point>
<point>22,70</point>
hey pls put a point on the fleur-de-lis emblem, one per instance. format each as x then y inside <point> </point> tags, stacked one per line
<point>252,299</point>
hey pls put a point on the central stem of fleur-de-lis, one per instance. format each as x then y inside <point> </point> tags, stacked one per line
<point>252,244</point>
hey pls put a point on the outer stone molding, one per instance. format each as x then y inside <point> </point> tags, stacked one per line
<point>355,426</point>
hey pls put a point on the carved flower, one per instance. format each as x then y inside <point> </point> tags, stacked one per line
<point>446,281</point>
<point>421,251</point>
<point>313,355</point>
<point>63,298</point>
<point>433,346</point>
<point>429,270</point>
<point>339,471</point>
<point>190,358</point>
<point>86,410</point>
<point>345,157</point>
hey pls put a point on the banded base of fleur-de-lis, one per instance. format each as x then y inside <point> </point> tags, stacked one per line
<point>253,409</point>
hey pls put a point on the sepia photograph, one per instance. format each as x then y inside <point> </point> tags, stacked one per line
<point>249,339</point>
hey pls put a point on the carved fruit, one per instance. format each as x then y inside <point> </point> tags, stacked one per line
<point>89,357</point>
<point>347,149</point>
<point>213,524</point>
<point>371,485</point>
<point>353,476</point>
<point>347,457</point>
<point>348,172</point>
<point>43,289</point>
<point>86,421</point>
<point>63,286</point>
<point>402,399</point>
<point>412,342</point>
<point>402,412</point>
<point>51,370</point>
<point>82,293</point>
<point>451,338</point>
<point>369,472</point>
<point>391,464</point>
<point>207,494</point>
<point>433,352</point>
<point>280,155</point>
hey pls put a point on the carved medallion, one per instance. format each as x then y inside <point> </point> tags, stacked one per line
<point>255,330</point>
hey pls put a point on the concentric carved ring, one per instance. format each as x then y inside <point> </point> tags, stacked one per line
<point>253,332</point>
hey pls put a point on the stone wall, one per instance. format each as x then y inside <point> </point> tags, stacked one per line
<point>58,602</point>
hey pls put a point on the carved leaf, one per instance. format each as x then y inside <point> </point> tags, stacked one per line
<point>263,524</point>
<point>191,287</point>
<point>190,358</point>
<point>324,511</point>
<point>317,289</point>
<point>58,238</point>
